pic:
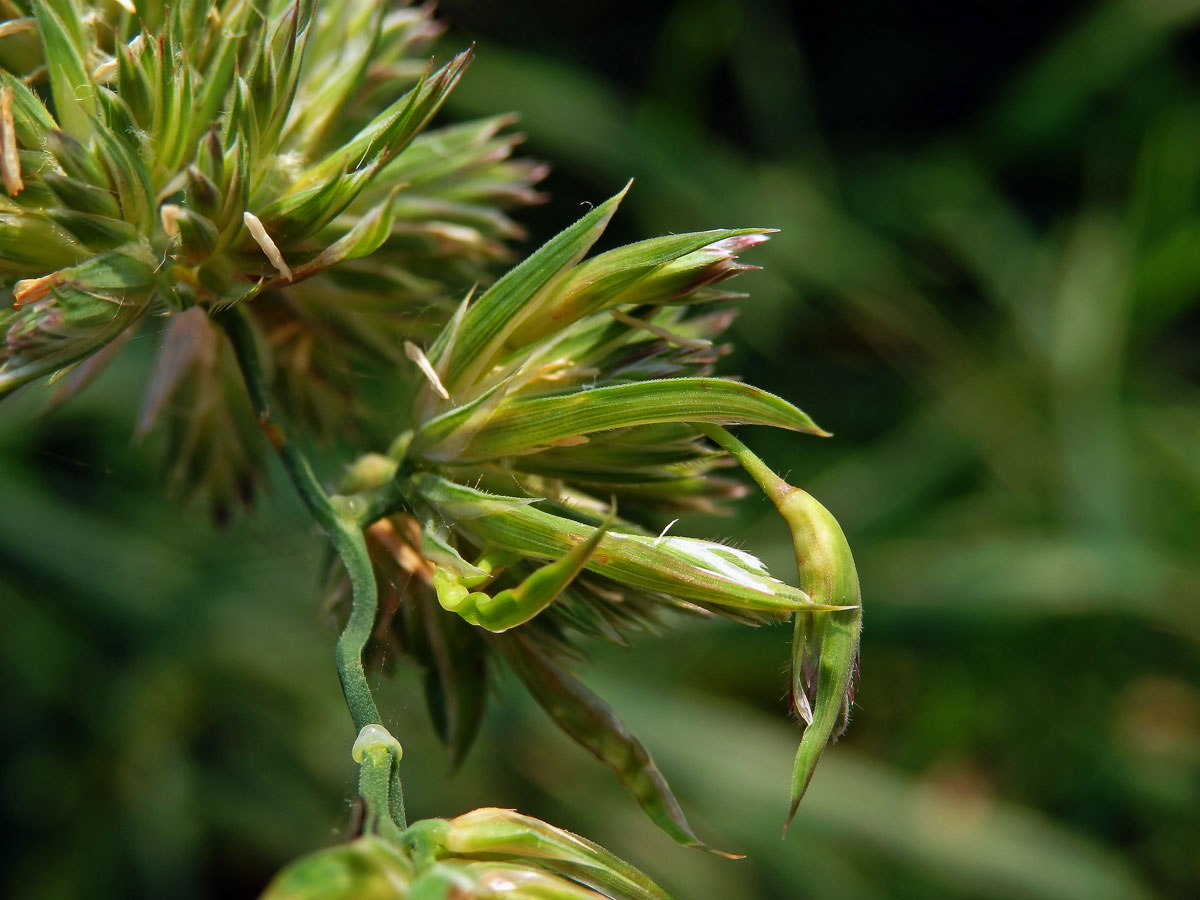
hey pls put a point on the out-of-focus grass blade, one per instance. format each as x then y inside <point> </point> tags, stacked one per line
<point>1058,575</point>
<point>981,846</point>
<point>1058,90</point>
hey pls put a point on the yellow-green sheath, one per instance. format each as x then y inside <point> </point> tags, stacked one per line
<point>826,641</point>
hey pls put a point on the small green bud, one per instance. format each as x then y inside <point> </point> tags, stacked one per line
<point>82,196</point>
<point>203,196</point>
<point>368,471</point>
<point>210,160</point>
<point>197,235</point>
<point>133,84</point>
<point>369,868</point>
<point>75,159</point>
<point>31,244</point>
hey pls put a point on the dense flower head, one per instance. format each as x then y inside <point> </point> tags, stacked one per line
<point>557,420</point>
<point>165,158</point>
<point>258,182</point>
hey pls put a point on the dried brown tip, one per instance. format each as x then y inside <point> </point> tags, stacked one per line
<point>10,160</point>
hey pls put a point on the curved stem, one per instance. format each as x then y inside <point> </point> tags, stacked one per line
<point>348,541</point>
<point>338,521</point>
<point>772,485</point>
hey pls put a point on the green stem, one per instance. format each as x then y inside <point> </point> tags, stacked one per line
<point>350,545</point>
<point>377,783</point>
<point>338,521</point>
<point>772,485</point>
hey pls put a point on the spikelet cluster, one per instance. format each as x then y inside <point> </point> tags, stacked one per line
<point>165,160</point>
<point>165,163</point>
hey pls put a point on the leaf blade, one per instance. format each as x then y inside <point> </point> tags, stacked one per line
<point>591,723</point>
<point>527,425</point>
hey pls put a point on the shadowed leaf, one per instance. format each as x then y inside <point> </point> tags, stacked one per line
<point>591,723</point>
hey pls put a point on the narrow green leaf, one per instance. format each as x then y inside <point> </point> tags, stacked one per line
<point>118,118</point>
<point>621,451</point>
<point>291,38</point>
<point>126,270</point>
<point>445,436</point>
<point>70,84</point>
<point>76,159</point>
<point>95,232</point>
<point>30,245</point>
<point>239,117</point>
<point>261,80</point>
<point>452,150</point>
<point>210,163</point>
<point>133,85</point>
<point>524,426</point>
<point>298,216</point>
<point>367,236</point>
<point>524,882</point>
<point>31,120</point>
<point>214,87</point>
<point>591,723</point>
<point>603,281</point>
<point>392,129</point>
<point>236,193</point>
<point>338,62</point>
<point>130,180</point>
<point>464,504</point>
<point>506,303</point>
<point>81,196</point>
<point>174,146</point>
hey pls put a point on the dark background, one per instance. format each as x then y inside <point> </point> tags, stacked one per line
<point>985,285</point>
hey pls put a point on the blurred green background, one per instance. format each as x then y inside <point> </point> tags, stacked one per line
<point>986,284</point>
